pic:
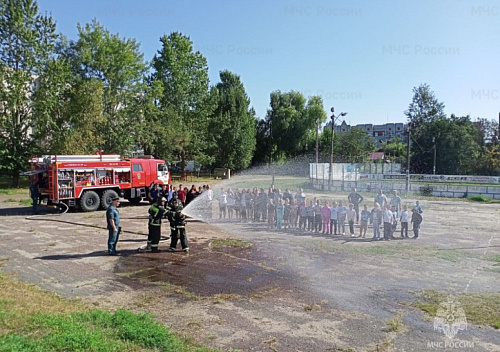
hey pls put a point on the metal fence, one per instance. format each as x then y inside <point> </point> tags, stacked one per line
<point>345,177</point>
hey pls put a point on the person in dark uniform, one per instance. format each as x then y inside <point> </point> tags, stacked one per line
<point>154,194</point>
<point>113,222</point>
<point>34,193</point>
<point>177,226</point>
<point>156,212</point>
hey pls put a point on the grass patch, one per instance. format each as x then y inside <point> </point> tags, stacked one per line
<point>10,200</point>
<point>13,191</point>
<point>479,308</point>
<point>26,202</point>
<point>35,320</point>
<point>496,264</point>
<point>95,331</point>
<point>396,324</point>
<point>312,308</point>
<point>482,199</point>
<point>230,243</point>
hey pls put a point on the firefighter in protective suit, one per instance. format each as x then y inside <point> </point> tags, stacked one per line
<point>156,212</point>
<point>177,226</point>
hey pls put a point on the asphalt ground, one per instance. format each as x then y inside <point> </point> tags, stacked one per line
<point>288,291</point>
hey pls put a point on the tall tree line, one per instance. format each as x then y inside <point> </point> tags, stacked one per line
<point>451,145</point>
<point>98,92</point>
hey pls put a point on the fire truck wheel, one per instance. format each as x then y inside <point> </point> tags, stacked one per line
<point>106,198</point>
<point>89,201</point>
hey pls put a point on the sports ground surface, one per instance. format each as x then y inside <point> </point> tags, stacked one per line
<point>247,288</point>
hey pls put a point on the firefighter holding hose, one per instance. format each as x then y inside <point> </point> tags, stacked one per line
<point>156,212</point>
<point>177,226</point>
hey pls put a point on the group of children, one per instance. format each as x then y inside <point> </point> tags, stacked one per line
<point>287,211</point>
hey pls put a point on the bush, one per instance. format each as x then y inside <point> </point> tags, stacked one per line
<point>426,190</point>
<point>479,198</point>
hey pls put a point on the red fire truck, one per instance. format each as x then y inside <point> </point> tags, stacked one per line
<point>88,182</point>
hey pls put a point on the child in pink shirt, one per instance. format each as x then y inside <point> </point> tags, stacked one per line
<point>325,217</point>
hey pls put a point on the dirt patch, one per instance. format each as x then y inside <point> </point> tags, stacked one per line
<point>288,291</point>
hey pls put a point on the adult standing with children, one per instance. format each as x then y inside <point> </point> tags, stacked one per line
<point>388,220</point>
<point>416,220</point>
<point>396,203</point>
<point>381,199</point>
<point>355,198</point>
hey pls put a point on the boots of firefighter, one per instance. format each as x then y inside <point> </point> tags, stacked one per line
<point>183,238</point>
<point>155,237</point>
<point>173,238</point>
<point>155,249</point>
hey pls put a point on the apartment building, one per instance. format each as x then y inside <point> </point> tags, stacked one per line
<point>380,133</point>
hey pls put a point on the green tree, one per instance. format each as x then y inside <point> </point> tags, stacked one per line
<point>457,148</point>
<point>423,110</point>
<point>315,112</point>
<point>80,134</point>
<point>489,141</point>
<point>355,146</point>
<point>455,140</point>
<point>263,150</point>
<point>26,42</point>
<point>395,151</point>
<point>232,124</point>
<point>119,65</point>
<point>51,104</point>
<point>185,101</point>
<point>291,123</point>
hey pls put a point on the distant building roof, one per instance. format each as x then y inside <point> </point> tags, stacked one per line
<point>377,155</point>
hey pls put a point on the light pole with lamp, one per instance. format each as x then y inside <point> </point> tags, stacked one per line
<point>317,150</point>
<point>330,172</point>
<point>317,142</point>
<point>270,126</point>
<point>408,159</point>
<point>434,164</point>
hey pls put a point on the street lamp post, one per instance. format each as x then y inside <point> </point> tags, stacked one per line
<point>330,172</point>
<point>317,142</point>
<point>434,164</point>
<point>271,149</point>
<point>408,159</point>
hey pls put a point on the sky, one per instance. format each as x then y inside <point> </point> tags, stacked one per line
<point>362,57</point>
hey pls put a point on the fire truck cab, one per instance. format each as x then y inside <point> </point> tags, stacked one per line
<point>89,182</point>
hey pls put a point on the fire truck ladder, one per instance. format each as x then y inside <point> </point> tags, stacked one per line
<point>80,158</point>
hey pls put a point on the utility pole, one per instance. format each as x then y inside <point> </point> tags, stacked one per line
<point>408,159</point>
<point>317,142</point>
<point>434,165</point>
<point>271,148</point>
<point>330,173</point>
